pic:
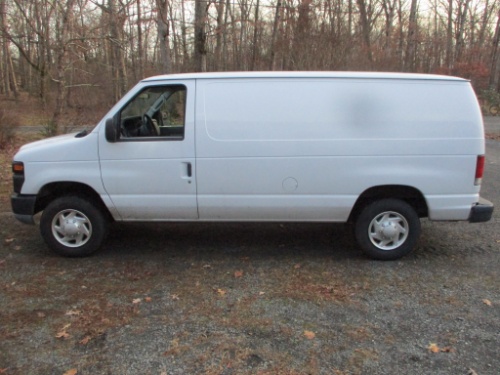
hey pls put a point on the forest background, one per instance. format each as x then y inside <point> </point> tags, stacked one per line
<point>68,61</point>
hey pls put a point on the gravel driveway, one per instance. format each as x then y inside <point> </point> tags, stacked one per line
<point>253,299</point>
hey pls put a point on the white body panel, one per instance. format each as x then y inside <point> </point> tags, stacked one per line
<point>281,146</point>
<point>333,139</point>
<point>148,180</point>
<point>63,158</point>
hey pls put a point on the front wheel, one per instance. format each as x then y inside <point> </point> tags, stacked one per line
<point>387,229</point>
<point>72,226</point>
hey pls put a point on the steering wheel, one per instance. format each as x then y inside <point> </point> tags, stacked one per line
<point>150,125</point>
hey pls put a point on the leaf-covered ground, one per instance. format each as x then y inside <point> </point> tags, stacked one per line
<point>252,299</point>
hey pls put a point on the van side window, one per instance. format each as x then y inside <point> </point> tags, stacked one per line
<point>156,112</point>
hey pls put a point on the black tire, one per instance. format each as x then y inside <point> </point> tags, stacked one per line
<point>387,229</point>
<point>73,226</point>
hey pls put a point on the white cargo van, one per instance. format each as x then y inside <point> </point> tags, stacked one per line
<point>379,150</point>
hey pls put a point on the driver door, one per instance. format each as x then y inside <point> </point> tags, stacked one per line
<point>149,172</point>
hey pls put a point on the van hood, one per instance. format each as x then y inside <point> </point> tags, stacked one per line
<point>67,147</point>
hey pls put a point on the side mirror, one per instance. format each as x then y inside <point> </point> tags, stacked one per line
<point>111,130</point>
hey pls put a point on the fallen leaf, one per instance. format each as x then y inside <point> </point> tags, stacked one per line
<point>85,340</point>
<point>62,335</point>
<point>297,266</point>
<point>238,273</point>
<point>72,312</point>
<point>309,335</point>
<point>207,266</point>
<point>433,348</point>
<point>17,247</point>
<point>40,314</point>
<point>73,371</point>
<point>221,292</point>
<point>262,293</point>
<point>148,299</point>
<point>472,372</point>
<point>9,240</point>
<point>174,297</point>
<point>136,301</point>
<point>487,302</point>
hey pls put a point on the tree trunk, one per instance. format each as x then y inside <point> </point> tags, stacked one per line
<point>411,39</point>
<point>274,34</point>
<point>9,81</point>
<point>185,53</point>
<point>200,37</point>
<point>224,36</point>
<point>302,31</point>
<point>462,14</point>
<point>495,60</point>
<point>218,34</point>
<point>163,36</point>
<point>255,36</point>
<point>64,29</point>
<point>366,30</point>
<point>449,36</point>
<point>140,52</point>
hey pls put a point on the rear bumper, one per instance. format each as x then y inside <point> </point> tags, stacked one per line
<point>481,211</point>
<point>23,207</point>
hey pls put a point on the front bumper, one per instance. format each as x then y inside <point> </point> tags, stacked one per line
<point>23,207</point>
<point>481,211</point>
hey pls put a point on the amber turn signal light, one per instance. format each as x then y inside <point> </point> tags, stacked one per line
<point>17,167</point>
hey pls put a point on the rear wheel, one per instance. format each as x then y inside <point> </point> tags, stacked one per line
<point>387,229</point>
<point>73,226</point>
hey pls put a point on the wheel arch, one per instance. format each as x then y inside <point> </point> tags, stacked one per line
<point>54,190</point>
<point>409,194</point>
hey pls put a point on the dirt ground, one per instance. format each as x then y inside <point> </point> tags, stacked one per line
<point>252,299</point>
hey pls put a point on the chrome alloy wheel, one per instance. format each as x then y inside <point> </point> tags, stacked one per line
<point>388,230</point>
<point>71,228</point>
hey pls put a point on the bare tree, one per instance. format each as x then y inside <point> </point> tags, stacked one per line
<point>412,38</point>
<point>365,29</point>
<point>9,81</point>
<point>494,81</point>
<point>255,47</point>
<point>274,35</point>
<point>163,35</point>
<point>200,48</point>
<point>63,39</point>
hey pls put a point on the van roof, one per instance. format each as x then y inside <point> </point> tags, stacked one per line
<point>305,74</point>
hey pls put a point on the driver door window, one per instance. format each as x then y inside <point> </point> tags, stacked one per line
<point>156,112</point>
